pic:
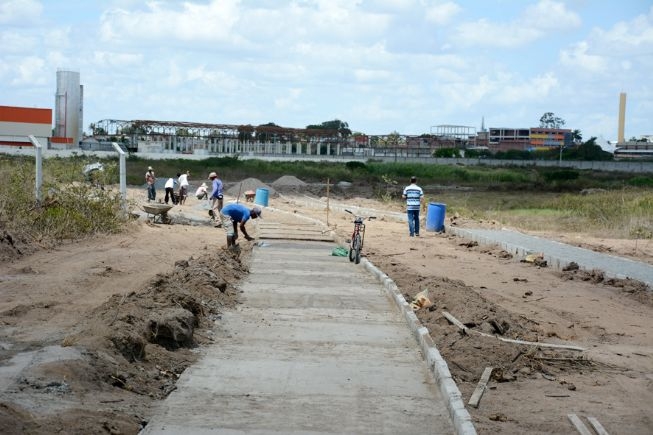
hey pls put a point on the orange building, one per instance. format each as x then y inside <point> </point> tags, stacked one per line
<point>17,123</point>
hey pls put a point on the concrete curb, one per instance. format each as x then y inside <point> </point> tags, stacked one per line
<point>461,418</point>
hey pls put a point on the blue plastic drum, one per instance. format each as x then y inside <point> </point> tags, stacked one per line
<point>261,197</point>
<point>435,216</point>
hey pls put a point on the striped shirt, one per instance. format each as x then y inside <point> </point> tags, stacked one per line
<point>413,194</point>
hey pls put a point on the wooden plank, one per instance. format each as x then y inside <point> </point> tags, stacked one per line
<point>454,321</point>
<point>598,427</point>
<point>459,324</point>
<point>480,388</point>
<point>578,424</point>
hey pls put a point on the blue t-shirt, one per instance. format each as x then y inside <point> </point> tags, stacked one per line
<point>237,212</point>
<point>217,188</point>
<point>413,194</point>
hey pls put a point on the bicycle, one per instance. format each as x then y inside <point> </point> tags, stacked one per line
<point>357,237</point>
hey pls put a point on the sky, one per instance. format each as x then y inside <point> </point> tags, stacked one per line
<point>382,66</point>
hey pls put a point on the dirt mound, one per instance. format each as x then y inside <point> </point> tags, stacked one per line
<point>130,351</point>
<point>249,184</point>
<point>11,247</point>
<point>290,184</point>
<point>288,181</point>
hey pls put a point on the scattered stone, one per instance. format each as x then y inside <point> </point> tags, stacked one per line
<point>571,266</point>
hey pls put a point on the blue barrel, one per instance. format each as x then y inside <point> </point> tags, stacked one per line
<point>435,216</point>
<point>261,197</point>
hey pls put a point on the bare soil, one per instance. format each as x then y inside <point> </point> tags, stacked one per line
<point>97,331</point>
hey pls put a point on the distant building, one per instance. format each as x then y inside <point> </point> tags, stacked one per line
<point>17,123</point>
<point>528,139</point>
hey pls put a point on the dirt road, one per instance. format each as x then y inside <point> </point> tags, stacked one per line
<point>73,360</point>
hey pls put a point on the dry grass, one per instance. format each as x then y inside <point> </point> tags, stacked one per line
<point>624,213</point>
<point>70,207</point>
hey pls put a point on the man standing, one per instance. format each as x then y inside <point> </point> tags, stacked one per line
<point>236,215</point>
<point>414,195</point>
<point>216,196</point>
<point>150,179</point>
<point>170,190</point>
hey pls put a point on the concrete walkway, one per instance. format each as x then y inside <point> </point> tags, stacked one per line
<point>318,346</point>
<point>559,255</point>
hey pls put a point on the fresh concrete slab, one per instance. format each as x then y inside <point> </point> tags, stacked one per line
<point>316,347</point>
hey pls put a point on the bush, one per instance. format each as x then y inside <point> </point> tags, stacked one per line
<point>71,208</point>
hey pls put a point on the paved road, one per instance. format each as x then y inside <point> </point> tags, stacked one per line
<point>318,346</point>
<point>559,255</point>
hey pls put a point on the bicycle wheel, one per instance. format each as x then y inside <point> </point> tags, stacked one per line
<point>352,252</point>
<point>357,248</point>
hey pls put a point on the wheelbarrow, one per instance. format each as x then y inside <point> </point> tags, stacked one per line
<point>158,212</point>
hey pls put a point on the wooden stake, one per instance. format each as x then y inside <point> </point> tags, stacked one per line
<point>578,424</point>
<point>327,205</point>
<point>598,427</point>
<point>480,388</point>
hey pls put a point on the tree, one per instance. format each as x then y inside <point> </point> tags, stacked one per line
<point>587,151</point>
<point>577,137</point>
<point>549,120</point>
<point>96,131</point>
<point>339,126</point>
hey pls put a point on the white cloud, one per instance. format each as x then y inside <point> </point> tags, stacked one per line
<point>109,59</point>
<point>627,46</point>
<point>549,15</point>
<point>578,56</point>
<point>289,100</point>
<point>30,71</point>
<point>19,12</point>
<point>369,75</point>
<point>534,23</point>
<point>442,13</point>
<point>212,22</point>
<point>17,42</point>
<point>536,89</point>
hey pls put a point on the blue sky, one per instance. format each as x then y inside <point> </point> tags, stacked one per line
<point>379,65</point>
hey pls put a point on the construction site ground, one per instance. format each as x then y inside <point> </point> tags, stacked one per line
<point>96,333</point>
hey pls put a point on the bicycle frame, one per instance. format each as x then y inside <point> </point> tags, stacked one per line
<point>359,228</point>
<point>357,237</point>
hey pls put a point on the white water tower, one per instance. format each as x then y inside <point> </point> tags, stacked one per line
<point>68,119</point>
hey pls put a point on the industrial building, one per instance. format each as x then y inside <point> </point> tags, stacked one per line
<point>17,123</point>
<point>180,137</point>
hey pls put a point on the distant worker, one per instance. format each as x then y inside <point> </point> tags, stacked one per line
<point>201,192</point>
<point>170,190</point>
<point>150,179</point>
<point>414,195</point>
<point>217,196</point>
<point>236,215</point>
<point>183,187</point>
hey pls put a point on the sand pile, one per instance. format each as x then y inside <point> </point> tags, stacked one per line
<point>288,181</point>
<point>249,184</point>
<point>289,184</point>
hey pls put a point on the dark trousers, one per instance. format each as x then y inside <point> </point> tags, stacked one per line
<point>170,194</point>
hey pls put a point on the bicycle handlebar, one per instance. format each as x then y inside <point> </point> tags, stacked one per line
<point>369,218</point>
